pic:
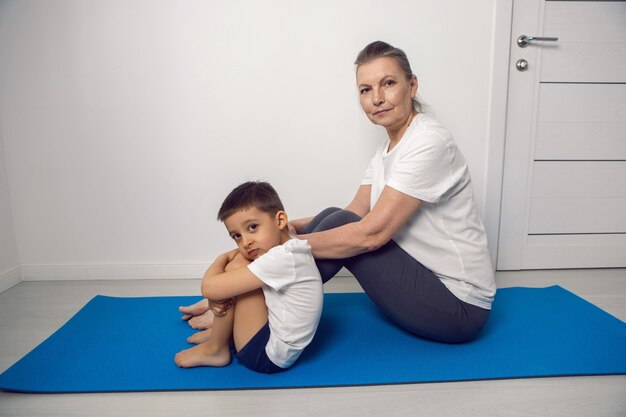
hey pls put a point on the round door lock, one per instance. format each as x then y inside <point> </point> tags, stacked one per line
<point>522,65</point>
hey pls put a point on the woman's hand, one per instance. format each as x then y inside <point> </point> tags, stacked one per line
<point>294,226</point>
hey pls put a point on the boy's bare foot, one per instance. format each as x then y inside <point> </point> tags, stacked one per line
<point>200,337</point>
<point>198,315</point>
<point>203,355</point>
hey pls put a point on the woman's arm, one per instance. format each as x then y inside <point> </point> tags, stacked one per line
<point>360,205</point>
<point>392,210</point>
<point>219,284</point>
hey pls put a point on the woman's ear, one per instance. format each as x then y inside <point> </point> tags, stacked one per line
<point>414,85</point>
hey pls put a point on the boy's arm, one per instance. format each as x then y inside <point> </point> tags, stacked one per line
<point>238,261</point>
<point>219,285</point>
<point>219,264</point>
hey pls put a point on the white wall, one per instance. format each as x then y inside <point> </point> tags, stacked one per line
<point>125,123</point>
<point>10,273</point>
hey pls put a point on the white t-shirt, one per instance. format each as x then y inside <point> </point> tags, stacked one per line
<point>446,234</point>
<point>294,297</point>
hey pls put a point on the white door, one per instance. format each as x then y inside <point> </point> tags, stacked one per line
<point>564,186</point>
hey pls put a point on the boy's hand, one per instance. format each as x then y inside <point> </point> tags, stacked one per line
<point>226,257</point>
<point>237,261</point>
<point>220,307</point>
<point>233,260</point>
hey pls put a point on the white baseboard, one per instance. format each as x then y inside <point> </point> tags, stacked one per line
<point>76,272</point>
<point>562,274</point>
<point>73,272</point>
<point>11,277</point>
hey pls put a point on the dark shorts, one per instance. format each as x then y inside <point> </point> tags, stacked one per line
<point>253,355</point>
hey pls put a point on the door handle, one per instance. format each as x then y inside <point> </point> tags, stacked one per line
<point>523,41</point>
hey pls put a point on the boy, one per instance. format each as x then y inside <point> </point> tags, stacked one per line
<point>274,284</point>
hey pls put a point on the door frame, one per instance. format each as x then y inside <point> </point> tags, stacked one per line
<point>496,123</point>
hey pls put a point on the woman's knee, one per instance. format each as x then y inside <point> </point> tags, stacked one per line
<point>315,221</point>
<point>337,218</point>
<point>327,212</point>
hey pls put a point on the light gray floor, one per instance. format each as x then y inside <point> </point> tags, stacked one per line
<point>31,311</point>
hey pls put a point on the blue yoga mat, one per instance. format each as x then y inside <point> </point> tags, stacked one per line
<point>128,344</point>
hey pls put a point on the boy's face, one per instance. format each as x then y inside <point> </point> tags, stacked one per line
<point>256,232</point>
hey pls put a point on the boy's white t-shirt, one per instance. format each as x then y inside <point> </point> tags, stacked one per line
<point>294,297</point>
<point>446,234</point>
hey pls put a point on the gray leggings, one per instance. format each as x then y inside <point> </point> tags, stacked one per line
<point>405,290</point>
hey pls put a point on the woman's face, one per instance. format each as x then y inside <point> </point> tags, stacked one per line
<point>385,92</point>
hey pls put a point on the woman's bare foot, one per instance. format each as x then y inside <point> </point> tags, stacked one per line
<point>200,337</point>
<point>195,309</point>
<point>204,354</point>
<point>203,321</point>
<point>198,315</point>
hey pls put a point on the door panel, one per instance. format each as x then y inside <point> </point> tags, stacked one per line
<point>582,61</point>
<point>590,35</point>
<point>586,21</point>
<point>580,141</point>
<point>576,179</point>
<point>582,103</point>
<point>575,250</point>
<point>574,197</point>
<point>581,122</point>
<point>577,216</point>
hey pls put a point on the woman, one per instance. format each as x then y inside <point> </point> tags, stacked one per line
<point>411,236</point>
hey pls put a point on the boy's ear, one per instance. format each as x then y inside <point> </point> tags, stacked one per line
<point>281,219</point>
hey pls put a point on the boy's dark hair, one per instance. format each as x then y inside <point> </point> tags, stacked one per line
<point>258,194</point>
